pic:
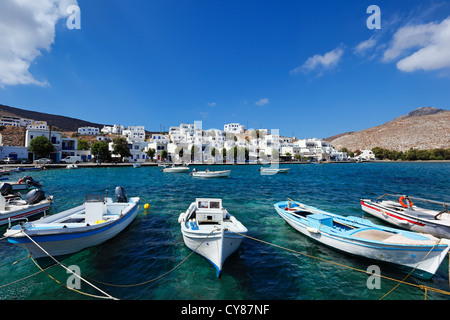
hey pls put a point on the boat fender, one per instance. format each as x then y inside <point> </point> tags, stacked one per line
<point>409,203</point>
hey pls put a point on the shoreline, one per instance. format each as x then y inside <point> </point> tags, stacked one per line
<point>156,164</point>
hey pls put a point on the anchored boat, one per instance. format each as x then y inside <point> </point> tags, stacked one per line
<point>211,174</point>
<point>269,170</point>
<point>209,230</point>
<point>13,207</point>
<point>420,253</point>
<point>98,219</point>
<point>405,214</point>
<point>176,169</point>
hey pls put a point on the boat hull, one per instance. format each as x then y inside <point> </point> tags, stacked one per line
<point>24,213</point>
<point>176,170</point>
<point>212,174</point>
<point>418,224</point>
<point>216,247</point>
<point>424,259</point>
<point>71,241</point>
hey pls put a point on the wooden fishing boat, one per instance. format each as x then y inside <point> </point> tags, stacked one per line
<point>209,230</point>
<point>98,219</point>
<point>405,214</point>
<point>420,254</point>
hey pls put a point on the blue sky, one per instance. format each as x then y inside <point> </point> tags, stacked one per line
<point>307,68</point>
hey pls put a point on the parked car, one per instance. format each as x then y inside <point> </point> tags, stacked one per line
<point>24,161</point>
<point>71,159</point>
<point>9,160</point>
<point>43,160</point>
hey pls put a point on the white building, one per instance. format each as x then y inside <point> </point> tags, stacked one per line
<point>14,121</point>
<point>233,128</point>
<point>89,131</point>
<point>115,129</point>
<point>134,134</point>
<point>38,125</point>
<point>365,155</point>
<point>53,136</point>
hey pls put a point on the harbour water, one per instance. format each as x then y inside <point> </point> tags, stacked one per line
<point>134,264</point>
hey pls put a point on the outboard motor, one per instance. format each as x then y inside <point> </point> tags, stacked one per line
<point>5,189</point>
<point>121,195</point>
<point>29,180</point>
<point>34,196</point>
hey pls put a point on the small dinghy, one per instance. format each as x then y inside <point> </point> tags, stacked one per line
<point>13,207</point>
<point>209,230</point>
<point>98,219</point>
<point>421,253</point>
<point>268,171</point>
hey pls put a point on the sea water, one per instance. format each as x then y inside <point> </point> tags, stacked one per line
<point>147,261</point>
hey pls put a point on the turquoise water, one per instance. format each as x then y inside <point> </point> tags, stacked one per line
<point>152,245</point>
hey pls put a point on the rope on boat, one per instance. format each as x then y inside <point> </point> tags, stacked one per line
<point>107,296</point>
<point>426,288</point>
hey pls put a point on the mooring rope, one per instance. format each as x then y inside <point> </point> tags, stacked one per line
<point>353,268</point>
<point>107,296</point>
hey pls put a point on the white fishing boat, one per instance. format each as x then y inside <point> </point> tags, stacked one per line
<point>420,254</point>
<point>136,165</point>
<point>176,169</point>
<point>405,214</point>
<point>98,219</point>
<point>13,208</point>
<point>211,174</point>
<point>270,170</point>
<point>72,166</point>
<point>209,230</point>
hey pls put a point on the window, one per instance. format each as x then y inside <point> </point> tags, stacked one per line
<point>203,204</point>
<point>214,205</point>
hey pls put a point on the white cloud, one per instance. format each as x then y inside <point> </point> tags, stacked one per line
<point>26,29</point>
<point>327,61</point>
<point>212,104</point>
<point>364,46</point>
<point>262,102</point>
<point>421,47</point>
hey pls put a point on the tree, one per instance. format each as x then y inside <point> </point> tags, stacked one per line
<point>213,152</point>
<point>151,153</point>
<point>100,150</point>
<point>163,155</point>
<point>120,147</point>
<point>41,146</point>
<point>83,145</point>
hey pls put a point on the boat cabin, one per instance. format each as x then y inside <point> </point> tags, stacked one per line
<point>209,210</point>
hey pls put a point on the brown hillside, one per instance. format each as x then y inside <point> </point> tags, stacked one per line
<point>423,128</point>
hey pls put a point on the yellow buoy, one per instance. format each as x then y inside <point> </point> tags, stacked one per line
<point>146,206</point>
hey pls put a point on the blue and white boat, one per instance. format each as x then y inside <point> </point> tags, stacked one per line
<point>273,170</point>
<point>420,253</point>
<point>98,219</point>
<point>209,230</point>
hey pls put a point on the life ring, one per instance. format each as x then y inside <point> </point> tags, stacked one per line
<point>20,181</point>
<point>409,203</point>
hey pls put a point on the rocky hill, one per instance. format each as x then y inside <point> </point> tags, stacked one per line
<point>61,122</point>
<point>423,128</point>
